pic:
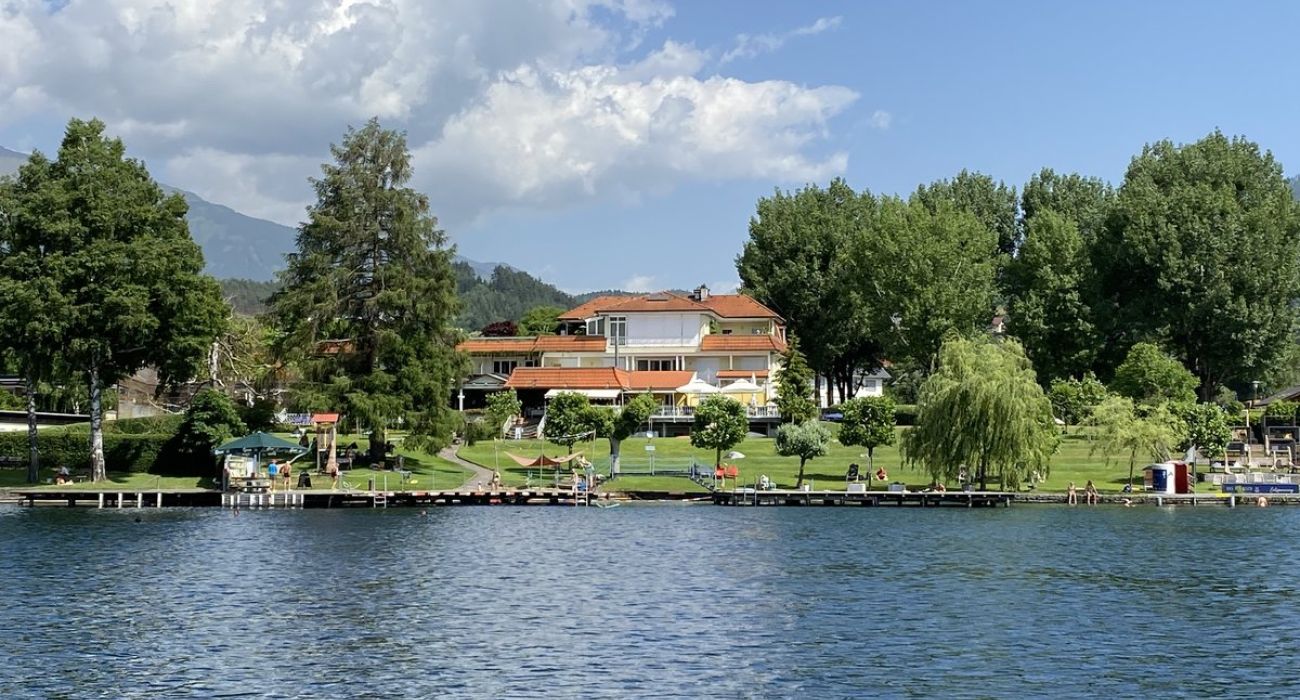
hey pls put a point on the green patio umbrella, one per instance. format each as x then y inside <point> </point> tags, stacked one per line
<point>257,444</point>
<point>260,442</point>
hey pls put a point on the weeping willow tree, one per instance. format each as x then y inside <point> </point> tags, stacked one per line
<point>983,410</point>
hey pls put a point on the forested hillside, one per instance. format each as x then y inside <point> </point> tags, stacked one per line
<point>503,297</point>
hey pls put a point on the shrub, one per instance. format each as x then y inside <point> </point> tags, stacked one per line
<point>905,414</point>
<point>123,452</point>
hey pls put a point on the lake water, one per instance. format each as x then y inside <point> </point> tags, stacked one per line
<point>656,601</point>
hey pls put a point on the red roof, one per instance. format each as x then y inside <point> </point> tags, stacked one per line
<point>645,380</point>
<point>722,305</point>
<point>531,344</point>
<point>325,418</point>
<point>566,378</point>
<point>716,342</point>
<point>595,378</point>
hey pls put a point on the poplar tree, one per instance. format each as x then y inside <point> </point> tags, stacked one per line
<point>368,298</point>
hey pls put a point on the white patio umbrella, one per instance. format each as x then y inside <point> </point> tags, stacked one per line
<point>744,386</point>
<point>697,386</point>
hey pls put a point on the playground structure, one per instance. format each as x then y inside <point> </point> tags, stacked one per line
<point>326,427</point>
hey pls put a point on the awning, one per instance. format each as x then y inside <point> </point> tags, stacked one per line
<point>543,460</point>
<point>589,393</point>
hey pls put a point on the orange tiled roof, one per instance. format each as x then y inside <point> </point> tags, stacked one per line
<point>724,305</point>
<point>567,378</point>
<point>738,306</point>
<point>742,374</point>
<point>716,342</point>
<point>596,378</point>
<point>589,308</point>
<point>648,380</point>
<point>531,344</point>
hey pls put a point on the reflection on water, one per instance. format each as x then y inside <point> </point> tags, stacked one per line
<point>664,601</point>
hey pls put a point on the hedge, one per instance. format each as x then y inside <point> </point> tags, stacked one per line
<point>123,452</point>
<point>153,425</point>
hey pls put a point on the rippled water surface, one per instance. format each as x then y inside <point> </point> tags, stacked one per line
<point>650,601</point>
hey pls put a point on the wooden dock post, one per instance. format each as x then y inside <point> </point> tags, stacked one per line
<point>101,500</point>
<point>119,500</point>
<point>158,503</point>
<point>139,499</point>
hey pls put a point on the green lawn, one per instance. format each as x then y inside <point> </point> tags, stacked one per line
<point>1072,462</point>
<point>428,472</point>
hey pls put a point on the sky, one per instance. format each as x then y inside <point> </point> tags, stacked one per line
<point>624,143</point>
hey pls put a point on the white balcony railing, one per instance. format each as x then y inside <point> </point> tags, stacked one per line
<point>689,412</point>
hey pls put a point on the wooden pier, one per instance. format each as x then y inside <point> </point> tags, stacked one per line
<point>117,498</point>
<point>922,499</point>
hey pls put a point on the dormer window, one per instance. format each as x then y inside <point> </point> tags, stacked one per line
<point>596,326</point>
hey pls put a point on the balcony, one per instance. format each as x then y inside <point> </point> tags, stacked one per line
<point>678,413</point>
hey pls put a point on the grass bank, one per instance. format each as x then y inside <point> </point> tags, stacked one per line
<point>1074,461</point>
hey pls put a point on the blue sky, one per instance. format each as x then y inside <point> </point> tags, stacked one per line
<point>624,144</point>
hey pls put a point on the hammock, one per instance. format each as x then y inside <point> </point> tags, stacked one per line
<point>543,460</point>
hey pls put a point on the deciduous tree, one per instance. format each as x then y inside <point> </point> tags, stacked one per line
<point>868,421</point>
<point>570,418</point>
<point>720,424</point>
<point>131,292</point>
<point>1202,254</point>
<point>540,320</point>
<point>983,408</point>
<point>1121,427</point>
<point>1149,376</point>
<point>806,441</point>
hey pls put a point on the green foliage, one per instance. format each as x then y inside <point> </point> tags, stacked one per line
<point>501,406</point>
<point>1201,256</point>
<point>1073,399</point>
<point>794,387</point>
<point>982,408</point>
<point>508,294</point>
<point>1047,306</point>
<point>797,262</point>
<point>803,440</point>
<point>372,271</point>
<point>635,413</point>
<point>123,452</point>
<point>1149,376</point>
<point>247,297</point>
<point>868,421</point>
<point>1206,428</point>
<point>992,203</point>
<point>720,424</point>
<point>540,320</point>
<point>924,273</point>
<point>570,417</point>
<point>119,278</point>
<point>1085,202</point>
<point>11,402</point>
<point>1282,409</point>
<point>210,420</point>
<point>1122,427</point>
<point>259,417</point>
<point>1227,400</point>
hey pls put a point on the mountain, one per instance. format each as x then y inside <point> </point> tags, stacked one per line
<point>504,296</point>
<point>235,245</point>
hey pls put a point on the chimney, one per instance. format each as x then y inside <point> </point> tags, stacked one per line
<point>701,293</point>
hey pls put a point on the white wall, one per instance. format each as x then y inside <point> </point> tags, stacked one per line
<point>660,329</point>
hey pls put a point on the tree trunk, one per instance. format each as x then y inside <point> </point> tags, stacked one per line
<point>33,452</point>
<point>378,445</point>
<point>799,484</point>
<point>871,464</point>
<point>98,470</point>
<point>984,477</point>
<point>1131,461</point>
<point>615,448</point>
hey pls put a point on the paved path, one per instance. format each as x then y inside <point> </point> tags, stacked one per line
<point>479,480</point>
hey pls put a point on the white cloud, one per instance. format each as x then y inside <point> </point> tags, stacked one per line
<point>506,104</point>
<point>880,119</point>
<point>639,283</point>
<point>751,45</point>
<point>724,287</point>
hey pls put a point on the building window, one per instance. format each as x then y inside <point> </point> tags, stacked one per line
<point>504,366</point>
<point>618,329</point>
<point>667,364</point>
<point>596,326</point>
